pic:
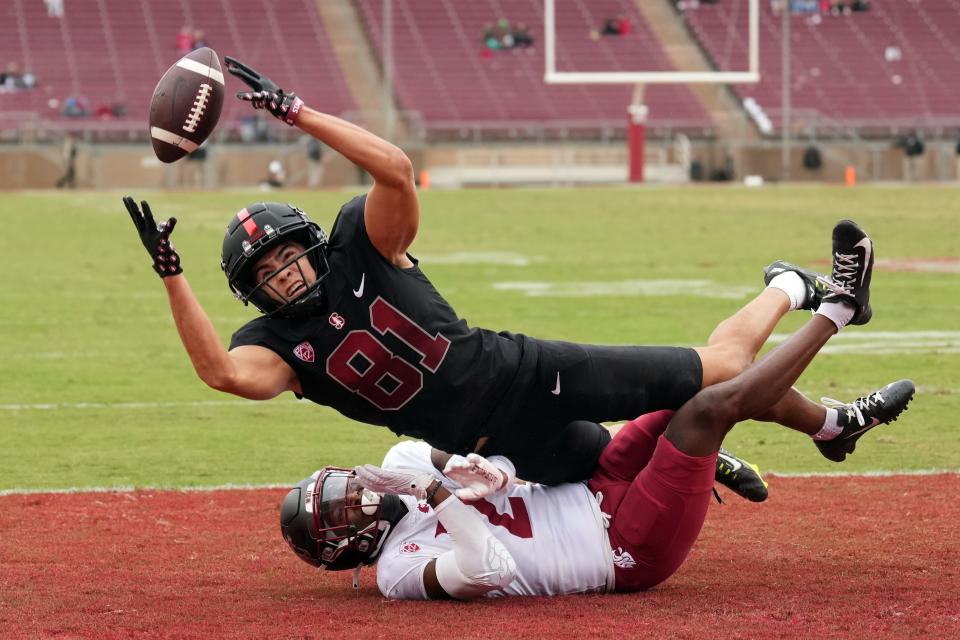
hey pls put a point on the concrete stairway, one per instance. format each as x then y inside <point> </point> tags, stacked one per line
<point>686,55</point>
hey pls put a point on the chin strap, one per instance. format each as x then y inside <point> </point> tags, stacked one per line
<point>356,580</point>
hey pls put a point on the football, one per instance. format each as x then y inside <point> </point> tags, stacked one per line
<point>186,104</point>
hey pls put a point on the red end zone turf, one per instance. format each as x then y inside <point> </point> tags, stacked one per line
<point>825,557</point>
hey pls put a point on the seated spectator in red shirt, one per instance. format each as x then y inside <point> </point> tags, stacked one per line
<point>185,40</point>
<point>616,26</point>
<point>611,27</point>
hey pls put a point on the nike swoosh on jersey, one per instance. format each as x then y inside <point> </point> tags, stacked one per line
<point>359,290</point>
<point>867,249</point>
<point>733,462</point>
<point>556,389</point>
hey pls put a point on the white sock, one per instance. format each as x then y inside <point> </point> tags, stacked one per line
<point>791,284</point>
<point>831,429</point>
<point>840,313</point>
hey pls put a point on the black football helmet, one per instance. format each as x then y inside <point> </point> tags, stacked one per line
<point>331,521</point>
<point>253,232</point>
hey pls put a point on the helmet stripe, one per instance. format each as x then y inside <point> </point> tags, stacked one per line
<point>248,224</point>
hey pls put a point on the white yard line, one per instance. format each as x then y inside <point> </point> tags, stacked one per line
<point>254,487</point>
<point>621,288</point>
<point>45,406</point>
<point>860,474</point>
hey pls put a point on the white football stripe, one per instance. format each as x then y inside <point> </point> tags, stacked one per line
<point>172,138</point>
<point>204,70</point>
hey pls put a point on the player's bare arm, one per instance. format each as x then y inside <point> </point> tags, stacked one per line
<point>249,371</point>
<point>392,214</point>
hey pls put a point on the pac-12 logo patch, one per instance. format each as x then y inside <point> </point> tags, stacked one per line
<point>409,547</point>
<point>337,321</point>
<point>304,351</point>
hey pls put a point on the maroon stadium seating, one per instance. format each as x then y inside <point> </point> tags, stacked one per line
<point>116,50</point>
<point>442,75</point>
<point>838,66</point>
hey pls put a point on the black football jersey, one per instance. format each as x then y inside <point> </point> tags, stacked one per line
<point>388,349</point>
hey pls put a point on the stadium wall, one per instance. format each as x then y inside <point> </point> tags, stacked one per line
<point>111,166</point>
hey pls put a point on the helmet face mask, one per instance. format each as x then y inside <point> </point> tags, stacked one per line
<point>253,233</point>
<point>270,299</point>
<point>331,521</point>
<point>345,528</point>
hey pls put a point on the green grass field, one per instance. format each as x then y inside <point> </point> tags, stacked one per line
<point>97,391</point>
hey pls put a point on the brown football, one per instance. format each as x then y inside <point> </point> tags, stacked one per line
<point>186,104</point>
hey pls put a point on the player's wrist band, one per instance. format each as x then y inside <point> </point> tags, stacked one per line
<point>432,490</point>
<point>290,117</point>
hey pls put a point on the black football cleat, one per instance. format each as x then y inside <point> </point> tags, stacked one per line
<point>816,284</point>
<point>852,270</point>
<point>740,476</point>
<point>861,415</point>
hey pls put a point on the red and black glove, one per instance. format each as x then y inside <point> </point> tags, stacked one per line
<point>265,93</point>
<point>155,237</point>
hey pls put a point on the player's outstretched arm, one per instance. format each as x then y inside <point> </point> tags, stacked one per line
<point>478,562</point>
<point>392,214</point>
<point>245,371</point>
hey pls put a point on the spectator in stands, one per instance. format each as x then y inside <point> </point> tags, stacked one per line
<point>103,111</point>
<point>616,26</point>
<point>54,8</point>
<point>490,39</point>
<point>76,107</point>
<point>807,6</point>
<point>860,5</point>
<point>521,36</point>
<point>185,40</point>
<point>200,39</point>
<point>892,53</point>
<point>839,7</point>
<point>611,27</point>
<point>504,33</point>
<point>11,79</point>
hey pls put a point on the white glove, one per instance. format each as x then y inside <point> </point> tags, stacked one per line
<point>477,476</point>
<point>403,482</point>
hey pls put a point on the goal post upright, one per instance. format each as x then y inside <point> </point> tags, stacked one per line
<point>637,112</point>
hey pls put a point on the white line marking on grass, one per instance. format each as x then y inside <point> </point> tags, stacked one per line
<point>503,258</point>
<point>694,288</point>
<point>256,487</point>
<point>888,342</point>
<point>131,489</point>
<point>861,474</point>
<point>49,406</point>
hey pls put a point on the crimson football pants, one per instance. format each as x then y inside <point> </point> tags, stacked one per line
<point>657,497</point>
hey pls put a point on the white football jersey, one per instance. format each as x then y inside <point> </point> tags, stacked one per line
<point>555,534</point>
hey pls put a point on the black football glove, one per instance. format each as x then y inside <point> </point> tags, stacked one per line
<point>155,237</point>
<point>266,94</point>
